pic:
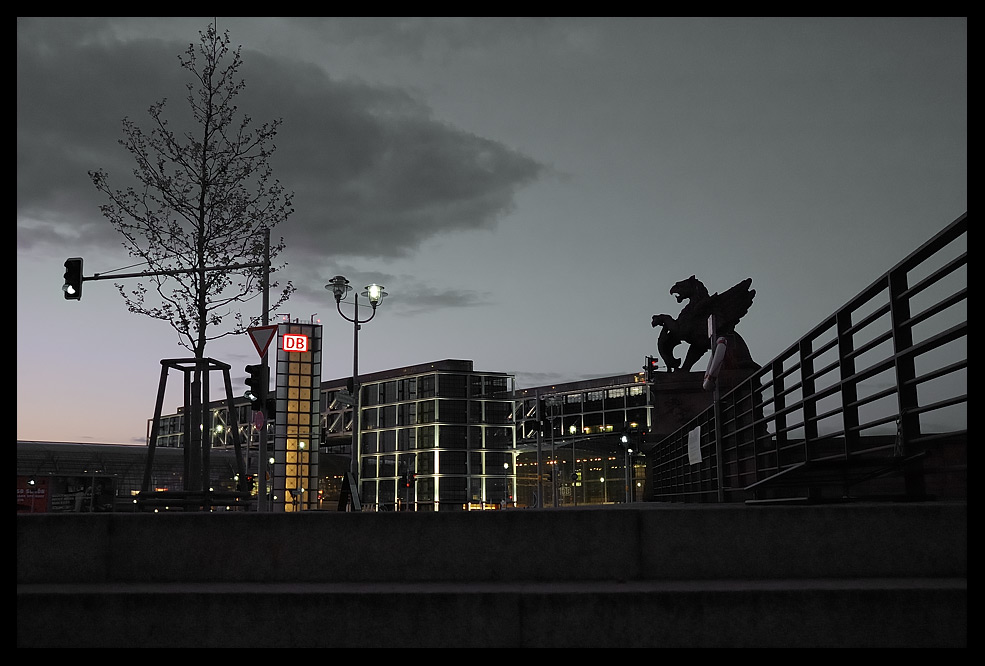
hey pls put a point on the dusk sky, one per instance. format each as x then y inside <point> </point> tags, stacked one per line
<point>527,189</point>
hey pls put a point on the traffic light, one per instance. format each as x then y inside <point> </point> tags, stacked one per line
<point>651,368</point>
<point>73,279</point>
<point>257,391</point>
<point>271,408</point>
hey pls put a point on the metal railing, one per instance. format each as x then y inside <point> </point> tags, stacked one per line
<point>871,403</point>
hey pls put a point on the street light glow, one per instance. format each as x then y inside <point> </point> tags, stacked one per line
<point>375,294</point>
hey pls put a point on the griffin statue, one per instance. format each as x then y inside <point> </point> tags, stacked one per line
<point>691,326</point>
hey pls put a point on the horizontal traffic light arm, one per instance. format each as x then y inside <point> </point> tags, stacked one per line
<point>177,271</point>
<point>73,288</point>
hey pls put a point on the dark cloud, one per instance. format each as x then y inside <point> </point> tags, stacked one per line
<point>71,96</point>
<point>428,37</point>
<point>421,299</point>
<point>374,174</point>
<point>416,297</point>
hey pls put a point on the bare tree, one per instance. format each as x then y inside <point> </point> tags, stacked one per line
<point>204,199</point>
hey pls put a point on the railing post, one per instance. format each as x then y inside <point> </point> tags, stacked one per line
<point>719,454</point>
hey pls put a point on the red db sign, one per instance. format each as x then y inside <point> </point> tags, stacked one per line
<point>294,343</point>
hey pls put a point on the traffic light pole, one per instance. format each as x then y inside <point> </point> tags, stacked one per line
<point>74,265</point>
<point>262,506</point>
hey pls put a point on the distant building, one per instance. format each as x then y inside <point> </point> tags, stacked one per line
<point>580,442</point>
<point>434,436</point>
<point>437,436</point>
<point>444,436</point>
<point>81,477</point>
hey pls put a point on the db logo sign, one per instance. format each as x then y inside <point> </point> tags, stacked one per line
<point>295,343</point>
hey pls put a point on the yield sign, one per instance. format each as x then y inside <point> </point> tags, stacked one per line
<point>261,336</point>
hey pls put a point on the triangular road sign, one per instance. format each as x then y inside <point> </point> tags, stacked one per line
<point>261,336</point>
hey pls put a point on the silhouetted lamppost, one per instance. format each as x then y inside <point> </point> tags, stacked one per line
<point>629,461</point>
<point>339,286</point>
<point>572,430</point>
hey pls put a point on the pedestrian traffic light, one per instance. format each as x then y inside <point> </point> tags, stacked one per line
<point>73,279</point>
<point>651,368</point>
<point>271,408</point>
<point>257,391</point>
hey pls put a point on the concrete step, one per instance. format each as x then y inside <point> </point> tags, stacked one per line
<point>844,575</point>
<point>883,612</point>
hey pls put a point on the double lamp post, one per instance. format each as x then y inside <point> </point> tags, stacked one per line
<point>339,286</point>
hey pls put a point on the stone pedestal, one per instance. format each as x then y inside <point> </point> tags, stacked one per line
<point>678,397</point>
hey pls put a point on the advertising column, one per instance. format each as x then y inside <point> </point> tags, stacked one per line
<point>297,416</point>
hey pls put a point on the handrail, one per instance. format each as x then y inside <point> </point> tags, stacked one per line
<point>770,421</point>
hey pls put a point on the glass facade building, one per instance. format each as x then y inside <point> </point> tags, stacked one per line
<point>580,442</point>
<point>171,434</point>
<point>442,436</point>
<point>434,437</point>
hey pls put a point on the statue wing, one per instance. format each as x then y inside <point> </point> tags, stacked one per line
<point>730,306</point>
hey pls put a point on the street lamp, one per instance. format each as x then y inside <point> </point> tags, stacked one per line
<point>629,475</point>
<point>629,464</point>
<point>574,473</point>
<point>552,408</point>
<point>339,286</point>
<point>572,429</point>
